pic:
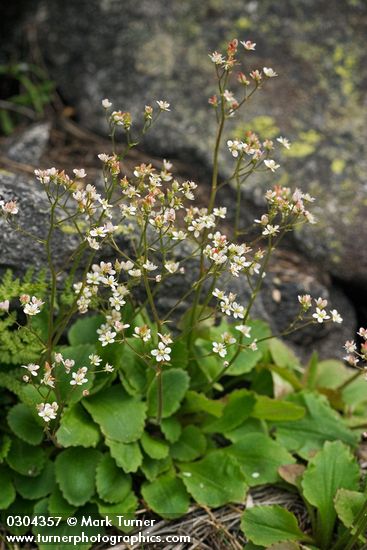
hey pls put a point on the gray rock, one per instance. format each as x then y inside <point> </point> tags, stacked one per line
<point>30,145</point>
<point>136,52</point>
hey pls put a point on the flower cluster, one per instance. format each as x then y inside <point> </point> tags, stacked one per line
<point>355,352</point>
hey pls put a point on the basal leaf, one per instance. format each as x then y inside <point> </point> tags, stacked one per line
<point>332,468</point>
<point>267,525</point>
<point>166,496</point>
<point>171,428</point>
<point>239,407</point>
<point>39,486</point>
<point>7,493</point>
<point>282,355</point>
<point>153,468</point>
<point>260,457</point>
<point>191,444</point>
<point>75,474</point>
<point>120,416</point>
<point>26,459</point>
<point>84,330</point>
<point>113,485</point>
<point>58,506</point>
<point>199,402</point>
<point>23,422</point>
<point>77,428</point>
<point>128,456</point>
<point>154,447</point>
<point>348,505</point>
<point>214,480</point>
<point>274,409</point>
<point>309,433</point>
<point>125,508</point>
<point>175,383</point>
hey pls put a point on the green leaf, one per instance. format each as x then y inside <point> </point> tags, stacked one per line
<point>24,424</point>
<point>155,448</point>
<point>283,355</point>
<point>199,402</point>
<point>126,508</point>
<point>171,428</point>
<point>276,410</point>
<point>332,468</point>
<point>84,330</point>
<point>309,434</point>
<point>26,459</point>
<point>7,493</point>
<point>120,416</point>
<point>215,480</point>
<point>77,428</point>
<point>128,456</point>
<point>239,407</point>
<point>153,468</point>
<point>132,370</point>
<point>191,445</point>
<point>175,383</point>
<point>179,355</point>
<point>113,485</point>
<point>39,486</point>
<point>348,505</point>
<point>267,525</point>
<point>251,425</point>
<point>248,359</point>
<point>58,506</point>
<point>5,444</point>
<point>75,474</point>
<point>166,496</point>
<point>260,457</point>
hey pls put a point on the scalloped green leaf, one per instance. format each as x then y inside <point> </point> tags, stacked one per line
<point>283,355</point>
<point>267,525</point>
<point>239,407</point>
<point>58,506</point>
<point>260,457</point>
<point>267,408</point>
<point>309,434</point>
<point>191,444</point>
<point>175,384</point>
<point>153,447</point>
<point>153,468</point>
<point>77,428</point>
<point>126,508</point>
<point>128,456</point>
<point>120,416</point>
<point>23,422</point>
<point>167,496</point>
<point>171,428</point>
<point>199,402</point>
<point>26,459</point>
<point>37,487</point>
<point>75,474</point>
<point>7,493</point>
<point>84,330</point>
<point>215,480</point>
<point>5,444</point>
<point>113,485</point>
<point>332,468</point>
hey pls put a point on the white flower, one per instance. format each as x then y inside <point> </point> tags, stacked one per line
<point>270,73</point>
<point>165,338</point>
<point>4,306</point>
<point>320,315</point>
<point>220,348</point>
<point>117,301</point>
<point>143,332</point>
<point>149,266</point>
<point>79,377</point>
<point>362,333</point>
<point>248,45</point>
<point>335,316</point>
<point>134,272</point>
<point>284,141</point>
<point>108,368</point>
<point>47,411</point>
<point>253,346</point>
<point>80,173</point>
<point>245,330</point>
<point>350,346</point>
<point>171,267</point>
<point>271,230</point>
<point>271,164</point>
<point>216,58</point>
<point>235,147</point>
<point>238,310</point>
<point>163,105</point>
<point>321,303</point>
<point>33,306</point>
<point>220,294</point>
<point>162,353</point>
<point>9,207</point>
<point>31,368</point>
<point>107,337</point>
<point>95,360</point>
<point>106,103</point>
<point>93,243</point>
<point>220,212</point>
